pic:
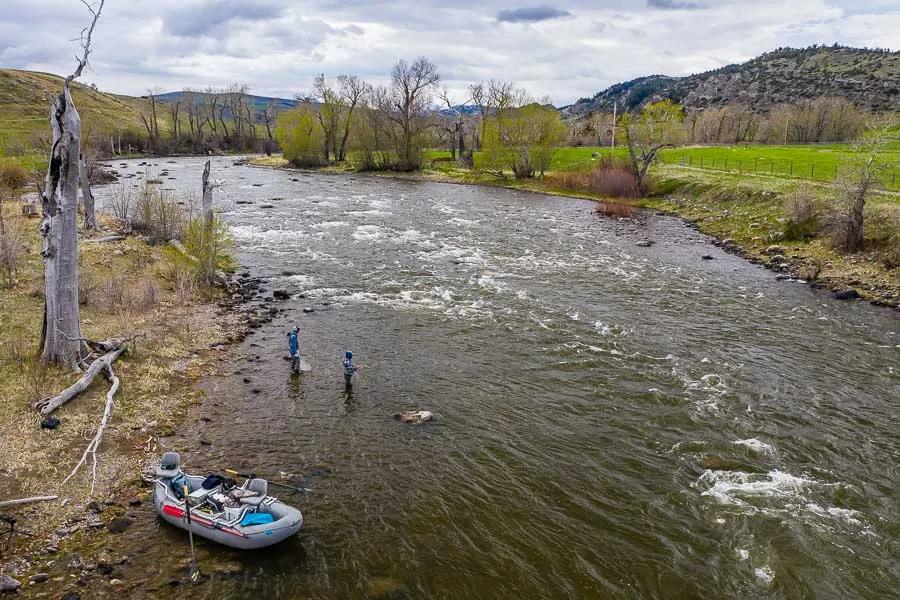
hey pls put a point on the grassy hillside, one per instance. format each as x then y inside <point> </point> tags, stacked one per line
<point>869,79</point>
<point>25,107</point>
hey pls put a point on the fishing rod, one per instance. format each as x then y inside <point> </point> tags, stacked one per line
<point>195,572</point>
<point>252,476</point>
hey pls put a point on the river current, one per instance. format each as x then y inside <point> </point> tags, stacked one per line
<point>613,421</point>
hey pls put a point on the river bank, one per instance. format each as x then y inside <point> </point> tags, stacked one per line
<point>125,288</point>
<point>744,215</point>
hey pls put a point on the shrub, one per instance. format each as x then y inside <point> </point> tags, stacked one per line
<point>158,214</point>
<point>12,250</point>
<point>614,209</point>
<point>606,180</point>
<point>802,209</point>
<point>12,174</point>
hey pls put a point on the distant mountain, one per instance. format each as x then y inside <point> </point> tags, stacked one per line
<point>258,103</point>
<point>868,78</point>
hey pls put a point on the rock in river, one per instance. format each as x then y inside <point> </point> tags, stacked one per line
<point>850,294</point>
<point>415,417</point>
<point>119,525</point>
<point>280,294</point>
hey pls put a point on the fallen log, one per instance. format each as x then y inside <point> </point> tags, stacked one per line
<point>101,240</point>
<point>48,405</point>
<point>27,500</point>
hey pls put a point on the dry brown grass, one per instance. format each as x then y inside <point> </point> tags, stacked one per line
<point>12,174</point>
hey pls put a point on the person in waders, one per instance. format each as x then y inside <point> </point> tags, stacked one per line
<point>349,370</point>
<point>294,347</point>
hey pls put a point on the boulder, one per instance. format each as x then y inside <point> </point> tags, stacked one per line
<point>280,294</point>
<point>8,584</point>
<point>38,578</point>
<point>644,243</point>
<point>708,257</point>
<point>774,250</point>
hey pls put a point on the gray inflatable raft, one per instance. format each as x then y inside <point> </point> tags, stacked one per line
<point>223,524</point>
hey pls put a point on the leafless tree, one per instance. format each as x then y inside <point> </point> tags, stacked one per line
<point>410,95</point>
<point>353,91</point>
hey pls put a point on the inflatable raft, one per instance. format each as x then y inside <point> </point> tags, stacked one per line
<point>243,517</point>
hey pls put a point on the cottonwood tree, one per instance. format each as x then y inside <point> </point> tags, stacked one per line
<point>61,342</point>
<point>657,126</point>
<point>523,138</point>
<point>858,178</point>
<point>410,94</point>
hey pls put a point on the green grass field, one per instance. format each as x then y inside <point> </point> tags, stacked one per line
<point>813,162</point>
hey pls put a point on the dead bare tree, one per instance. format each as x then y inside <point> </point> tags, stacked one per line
<point>61,332</point>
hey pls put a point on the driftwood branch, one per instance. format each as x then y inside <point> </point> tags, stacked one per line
<point>27,500</point>
<point>98,437</point>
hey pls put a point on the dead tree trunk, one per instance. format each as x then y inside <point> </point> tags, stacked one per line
<point>208,248</point>
<point>87,198</point>
<point>61,331</point>
<point>61,341</point>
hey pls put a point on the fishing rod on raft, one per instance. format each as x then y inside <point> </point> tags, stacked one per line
<point>194,570</point>
<point>252,476</point>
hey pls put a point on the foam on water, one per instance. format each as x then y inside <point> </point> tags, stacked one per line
<point>368,233</point>
<point>754,445</point>
<point>736,487</point>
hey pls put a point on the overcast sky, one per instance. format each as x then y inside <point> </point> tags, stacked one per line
<point>563,50</point>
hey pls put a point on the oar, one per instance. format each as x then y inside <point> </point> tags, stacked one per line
<point>195,572</point>
<point>251,476</point>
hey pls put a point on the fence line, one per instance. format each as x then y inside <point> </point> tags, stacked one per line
<point>816,171</point>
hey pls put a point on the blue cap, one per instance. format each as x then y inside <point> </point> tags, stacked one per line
<point>348,354</point>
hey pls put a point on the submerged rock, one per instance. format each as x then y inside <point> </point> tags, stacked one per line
<point>119,525</point>
<point>850,294</point>
<point>644,243</point>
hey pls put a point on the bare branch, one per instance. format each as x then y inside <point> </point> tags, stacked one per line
<point>86,40</point>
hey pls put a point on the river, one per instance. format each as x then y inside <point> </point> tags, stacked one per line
<point>613,421</point>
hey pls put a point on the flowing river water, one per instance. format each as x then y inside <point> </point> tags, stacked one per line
<point>613,421</point>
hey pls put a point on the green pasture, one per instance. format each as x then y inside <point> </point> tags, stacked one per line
<point>817,162</point>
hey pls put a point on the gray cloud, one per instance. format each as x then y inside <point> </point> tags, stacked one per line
<point>674,5</point>
<point>278,46</point>
<point>531,14</point>
<point>201,18</point>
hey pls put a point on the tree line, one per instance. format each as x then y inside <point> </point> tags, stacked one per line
<point>826,119</point>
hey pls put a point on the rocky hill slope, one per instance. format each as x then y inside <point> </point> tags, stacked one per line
<point>868,78</point>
